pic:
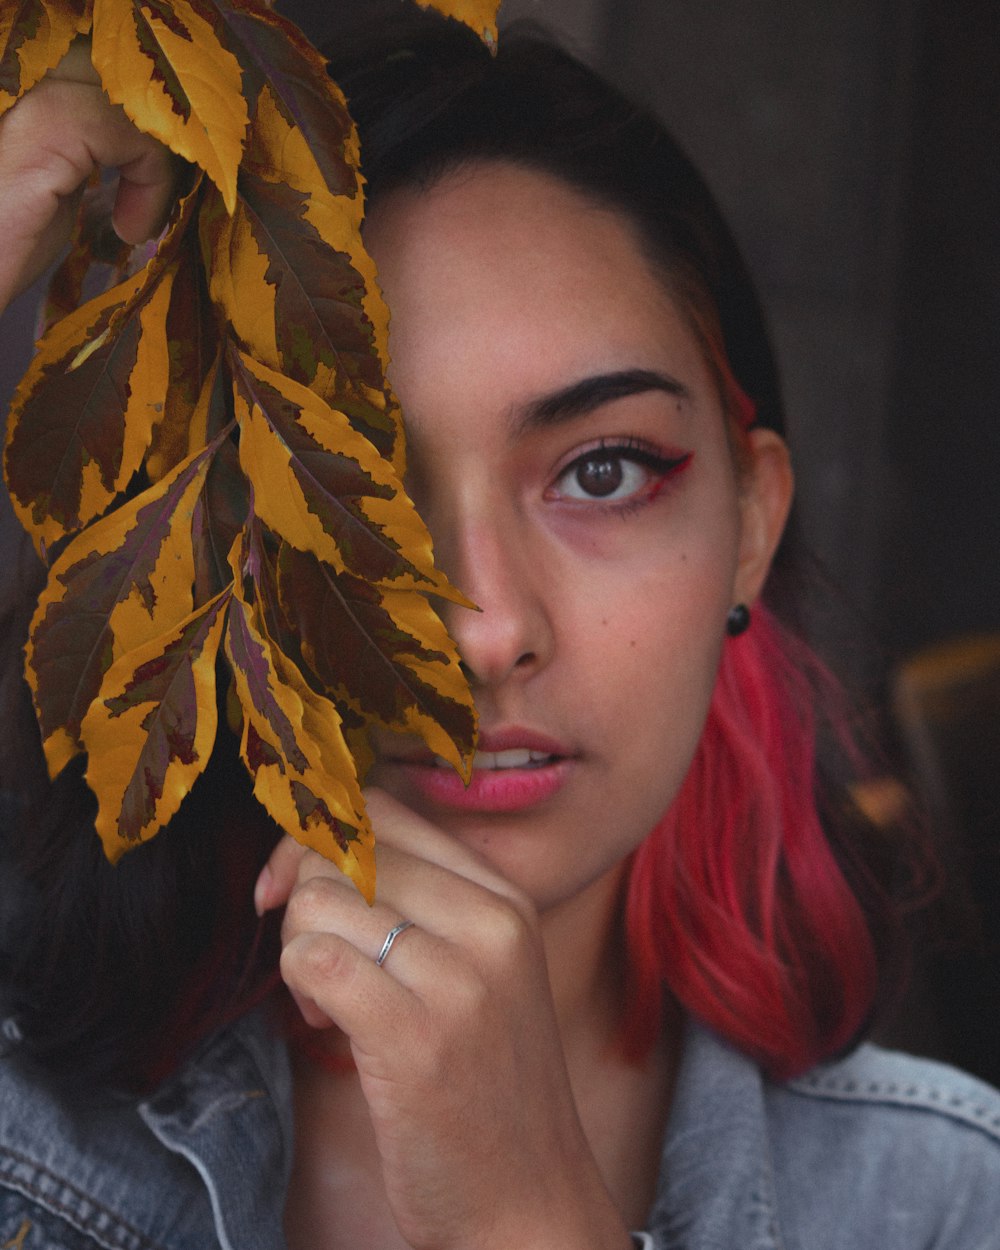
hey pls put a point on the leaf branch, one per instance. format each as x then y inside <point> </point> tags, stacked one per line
<point>210,453</point>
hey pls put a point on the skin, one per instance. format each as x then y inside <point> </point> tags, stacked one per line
<point>485,1107</point>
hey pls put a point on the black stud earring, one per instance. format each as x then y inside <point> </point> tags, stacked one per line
<point>738,620</point>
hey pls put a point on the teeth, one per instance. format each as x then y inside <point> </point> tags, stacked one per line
<point>516,757</point>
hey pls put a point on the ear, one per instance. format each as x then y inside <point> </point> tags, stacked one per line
<point>765,498</point>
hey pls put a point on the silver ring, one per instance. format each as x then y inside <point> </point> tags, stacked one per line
<point>390,937</point>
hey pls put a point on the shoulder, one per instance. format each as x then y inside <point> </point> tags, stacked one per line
<point>78,1168</point>
<point>906,1145</point>
<point>890,1080</point>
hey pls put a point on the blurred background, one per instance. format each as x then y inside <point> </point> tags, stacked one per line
<point>853,145</point>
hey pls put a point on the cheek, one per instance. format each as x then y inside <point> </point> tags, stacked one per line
<point>658,655</point>
<point>662,622</point>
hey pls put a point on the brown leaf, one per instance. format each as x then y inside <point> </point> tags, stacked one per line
<point>385,653</point>
<point>150,732</point>
<point>351,376</point>
<point>323,488</point>
<point>273,53</point>
<point>293,746</point>
<point>328,323</point>
<point>83,414</point>
<point>191,414</point>
<point>310,319</point>
<point>126,579</point>
<point>221,514</point>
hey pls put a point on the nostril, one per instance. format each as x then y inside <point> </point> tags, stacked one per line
<point>476,678</point>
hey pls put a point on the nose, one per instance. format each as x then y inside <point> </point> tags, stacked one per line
<point>511,636</point>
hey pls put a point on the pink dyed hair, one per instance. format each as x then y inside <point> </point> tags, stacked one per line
<point>736,905</point>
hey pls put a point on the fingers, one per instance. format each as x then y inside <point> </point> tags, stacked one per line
<point>423,875</point>
<point>470,930</point>
<point>331,943</point>
<point>50,143</point>
<point>278,876</point>
<point>147,189</point>
<point>399,827</point>
<point>148,172</point>
<point>76,65</point>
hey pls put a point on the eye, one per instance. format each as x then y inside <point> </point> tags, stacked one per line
<point>616,473</point>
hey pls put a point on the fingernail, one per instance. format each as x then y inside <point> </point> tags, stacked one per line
<point>262,890</point>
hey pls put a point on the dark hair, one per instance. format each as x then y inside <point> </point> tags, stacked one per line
<point>111,955</point>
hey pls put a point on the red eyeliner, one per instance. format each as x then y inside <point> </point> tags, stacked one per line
<point>674,468</point>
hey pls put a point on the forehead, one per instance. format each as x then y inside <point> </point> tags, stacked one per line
<point>500,219</point>
<point>513,269</point>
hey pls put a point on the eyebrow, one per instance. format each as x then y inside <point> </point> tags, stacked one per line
<point>591,393</point>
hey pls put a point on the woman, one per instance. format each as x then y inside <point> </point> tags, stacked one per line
<point>594,987</point>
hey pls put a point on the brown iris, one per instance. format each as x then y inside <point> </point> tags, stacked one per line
<point>600,476</point>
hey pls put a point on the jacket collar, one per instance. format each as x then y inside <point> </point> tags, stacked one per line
<point>229,1113</point>
<point>717,1187</point>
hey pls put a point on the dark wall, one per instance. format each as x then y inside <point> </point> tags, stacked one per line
<point>942,568</point>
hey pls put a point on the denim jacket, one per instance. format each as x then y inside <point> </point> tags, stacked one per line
<point>878,1151</point>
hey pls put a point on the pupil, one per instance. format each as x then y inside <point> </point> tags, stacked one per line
<point>600,477</point>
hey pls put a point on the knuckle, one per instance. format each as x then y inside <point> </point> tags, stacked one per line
<point>506,931</point>
<point>309,903</point>
<point>314,959</point>
<point>471,996</point>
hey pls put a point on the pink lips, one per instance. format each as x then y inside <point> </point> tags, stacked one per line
<point>505,789</point>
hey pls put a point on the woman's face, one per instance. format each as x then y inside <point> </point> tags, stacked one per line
<point>568,450</point>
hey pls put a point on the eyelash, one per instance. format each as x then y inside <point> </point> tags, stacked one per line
<point>634,451</point>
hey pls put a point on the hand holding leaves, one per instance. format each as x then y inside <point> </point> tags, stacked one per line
<point>211,453</point>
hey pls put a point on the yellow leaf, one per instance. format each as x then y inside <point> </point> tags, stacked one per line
<point>150,731</point>
<point>383,654</point>
<point>146,386</point>
<point>338,220</point>
<point>123,581</point>
<point>73,332</point>
<point>414,616</point>
<point>237,265</point>
<point>293,745</point>
<point>82,417</point>
<point>316,314</point>
<point>324,488</point>
<point>481,15</point>
<point>183,430</point>
<point>164,597</point>
<point>164,64</point>
<point>289,159</point>
<point>35,35</point>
